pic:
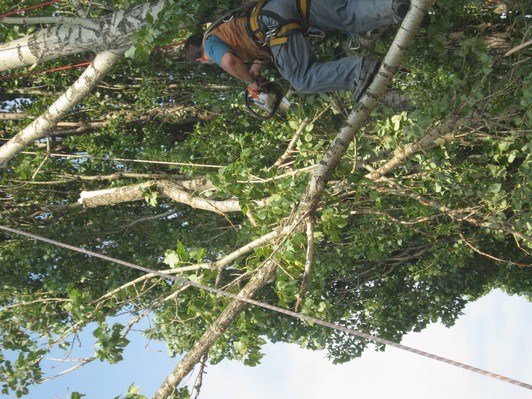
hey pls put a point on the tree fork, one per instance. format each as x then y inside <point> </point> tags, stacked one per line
<point>312,195</point>
<point>261,278</point>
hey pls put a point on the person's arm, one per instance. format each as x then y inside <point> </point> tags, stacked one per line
<point>236,67</point>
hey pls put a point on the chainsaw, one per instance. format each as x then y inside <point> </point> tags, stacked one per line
<point>263,104</point>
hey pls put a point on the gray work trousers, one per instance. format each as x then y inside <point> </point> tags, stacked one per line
<point>295,59</point>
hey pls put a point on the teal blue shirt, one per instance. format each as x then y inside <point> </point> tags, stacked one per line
<point>215,49</point>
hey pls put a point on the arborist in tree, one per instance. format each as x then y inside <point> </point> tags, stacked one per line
<point>246,39</point>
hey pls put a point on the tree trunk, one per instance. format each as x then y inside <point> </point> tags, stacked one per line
<point>98,35</point>
<point>312,195</point>
<point>262,277</point>
<point>338,148</point>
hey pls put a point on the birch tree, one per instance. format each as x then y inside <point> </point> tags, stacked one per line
<point>385,221</point>
<point>66,36</point>
<point>109,37</point>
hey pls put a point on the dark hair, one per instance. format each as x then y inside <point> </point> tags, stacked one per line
<point>193,48</point>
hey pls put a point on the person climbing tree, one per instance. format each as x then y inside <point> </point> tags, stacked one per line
<point>245,40</point>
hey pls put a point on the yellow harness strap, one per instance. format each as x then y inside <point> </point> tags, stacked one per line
<point>281,35</point>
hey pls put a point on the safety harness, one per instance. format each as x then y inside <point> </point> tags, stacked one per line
<point>279,34</point>
<point>275,35</point>
<point>241,11</point>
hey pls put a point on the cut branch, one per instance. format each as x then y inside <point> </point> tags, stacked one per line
<point>112,32</point>
<point>184,192</point>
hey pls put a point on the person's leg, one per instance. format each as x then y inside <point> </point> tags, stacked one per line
<point>297,64</point>
<point>353,16</point>
<point>296,61</point>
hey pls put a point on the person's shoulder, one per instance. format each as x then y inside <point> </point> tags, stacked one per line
<point>213,40</point>
<point>215,48</point>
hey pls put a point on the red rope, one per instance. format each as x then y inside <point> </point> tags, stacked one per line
<point>29,8</point>
<point>22,75</point>
<point>168,46</point>
<point>74,66</point>
<point>59,68</point>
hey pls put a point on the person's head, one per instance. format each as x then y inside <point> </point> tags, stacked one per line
<point>193,49</point>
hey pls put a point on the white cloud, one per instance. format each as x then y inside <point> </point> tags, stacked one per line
<point>493,334</point>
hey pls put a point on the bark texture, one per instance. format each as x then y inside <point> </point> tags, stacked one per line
<point>112,32</point>
<point>186,192</point>
<point>40,127</point>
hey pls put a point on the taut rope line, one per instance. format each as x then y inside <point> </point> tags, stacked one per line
<point>286,312</point>
<point>28,8</point>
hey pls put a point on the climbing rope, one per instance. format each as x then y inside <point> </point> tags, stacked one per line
<point>23,75</point>
<point>147,161</point>
<point>276,309</point>
<point>29,8</point>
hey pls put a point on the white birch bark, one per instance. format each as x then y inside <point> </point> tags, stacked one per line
<point>358,117</point>
<point>112,32</point>
<point>181,192</point>
<point>38,129</point>
<point>108,36</point>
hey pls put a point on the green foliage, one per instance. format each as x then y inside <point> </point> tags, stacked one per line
<point>133,392</point>
<point>390,257</point>
<point>109,342</point>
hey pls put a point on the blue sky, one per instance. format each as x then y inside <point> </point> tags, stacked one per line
<point>493,334</point>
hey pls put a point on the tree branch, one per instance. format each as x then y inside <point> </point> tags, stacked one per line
<point>183,192</point>
<point>457,215</point>
<point>292,144</point>
<point>86,23</point>
<point>478,251</point>
<point>404,153</point>
<point>310,198</point>
<point>220,264</point>
<point>39,128</point>
<point>308,265</point>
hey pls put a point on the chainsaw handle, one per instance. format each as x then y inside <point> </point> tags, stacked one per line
<point>259,82</point>
<point>253,93</point>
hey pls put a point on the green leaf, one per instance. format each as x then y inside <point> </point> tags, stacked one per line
<point>495,187</point>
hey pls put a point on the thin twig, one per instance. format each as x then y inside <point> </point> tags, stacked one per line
<point>308,265</point>
<point>488,255</point>
<point>201,373</point>
<point>77,366</point>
